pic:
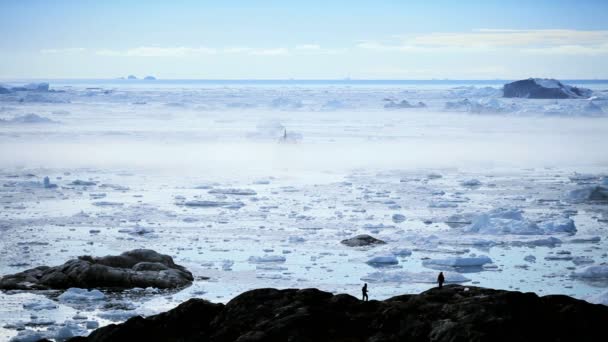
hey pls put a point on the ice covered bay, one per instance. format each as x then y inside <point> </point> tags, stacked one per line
<point>203,174</point>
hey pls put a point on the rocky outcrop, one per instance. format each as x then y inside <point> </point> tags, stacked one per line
<point>453,313</point>
<point>136,268</point>
<point>362,240</point>
<point>543,88</point>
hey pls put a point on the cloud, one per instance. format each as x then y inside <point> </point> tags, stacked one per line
<point>562,41</point>
<point>155,51</point>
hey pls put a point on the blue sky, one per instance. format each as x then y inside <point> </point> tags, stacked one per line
<point>306,39</point>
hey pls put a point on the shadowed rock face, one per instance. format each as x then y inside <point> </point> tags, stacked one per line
<point>362,240</point>
<point>449,314</point>
<point>537,88</point>
<point>136,268</point>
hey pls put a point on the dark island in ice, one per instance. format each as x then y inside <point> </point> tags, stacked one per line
<point>451,313</point>
<point>137,268</point>
<point>544,88</point>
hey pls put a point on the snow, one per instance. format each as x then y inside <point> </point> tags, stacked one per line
<point>80,295</point>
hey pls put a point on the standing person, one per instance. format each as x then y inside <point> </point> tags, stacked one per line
<point>364,291</point>
<point>440,279</point>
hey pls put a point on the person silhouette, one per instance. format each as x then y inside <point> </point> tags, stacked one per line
<point>440,279</point>
<point>364,291</point>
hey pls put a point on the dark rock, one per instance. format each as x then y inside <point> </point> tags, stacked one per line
<point>131,77</point>
<point>150,78</point>
<point>362,240</point>
<point>543,88</point>
<point>453,313</point>
<point>136,268</point>
<point>4,90</point>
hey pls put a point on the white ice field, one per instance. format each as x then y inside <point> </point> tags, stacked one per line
<point>493,191</point>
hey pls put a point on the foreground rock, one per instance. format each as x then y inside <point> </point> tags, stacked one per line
<point>544,88</point>
<point>136,268</point>
<point>454,313</point>
<point>362,240</point>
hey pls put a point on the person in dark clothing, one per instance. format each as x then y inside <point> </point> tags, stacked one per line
<point>440,279</point>
<point>364,291</point>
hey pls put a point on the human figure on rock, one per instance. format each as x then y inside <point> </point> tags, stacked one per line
<point>440,279</point>
<point>364,291</point>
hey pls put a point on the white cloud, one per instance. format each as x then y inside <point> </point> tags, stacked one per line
<point>270,52</point>
<point>154,51</point>
<point>572,42</point>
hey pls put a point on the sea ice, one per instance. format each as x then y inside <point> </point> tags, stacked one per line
<point>459,262</point>
<point>74,294</point>
<point>592,272</point>
<point>380,260</point>
<point>413,277</point>
<point>267,258</point>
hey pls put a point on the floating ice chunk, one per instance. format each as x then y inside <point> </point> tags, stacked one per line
<point>601,298</point>
<point>592,272</point>
<point>83,183</point>
<point>74,294</point>
<point>582,260</point>
<point>459,262</point>
<point>381,260</point>
<point>117,315</point>
<point>502,221</point>
<point>213,204</point>
<point>548,242</point>
<point>397,218</point>
<point>362,240</point>
<point>443,204</point>
<point>138,230</point>
<point>92,324</point>
<point>530,258</point>
<point>470,182</point>
<point>240,192</point>
<point>401,251</point>
<point>433,175</point>
<point>47,183</point>
<point>584,239</point>
<point>267,258</point>
<point>296,239</point>
<point>37,305</point>
<point>413,277</point>
<point>30,119</point>
<point>28,336</point>
<point>107,204</point>
<point>589,193</point>
<point>559,225</point>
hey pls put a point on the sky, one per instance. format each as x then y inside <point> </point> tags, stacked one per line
<point>304,39</point>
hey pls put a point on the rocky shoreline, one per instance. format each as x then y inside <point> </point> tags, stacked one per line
<point>452,313</point>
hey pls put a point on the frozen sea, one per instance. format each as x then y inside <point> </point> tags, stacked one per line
<point>492,191</point>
